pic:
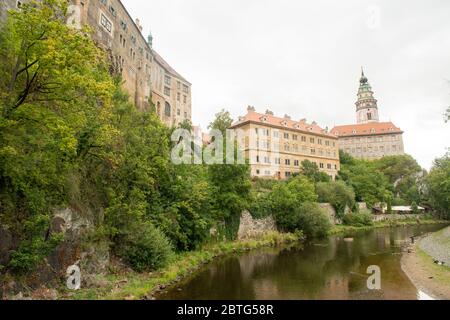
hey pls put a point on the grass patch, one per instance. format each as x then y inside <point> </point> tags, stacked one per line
<point>440,273</point>
<point>342,229</point>
<point>132,285</point>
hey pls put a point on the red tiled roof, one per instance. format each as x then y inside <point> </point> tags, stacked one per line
<point>271,120</point>
<point>167,67</point>
<point>365,129</point>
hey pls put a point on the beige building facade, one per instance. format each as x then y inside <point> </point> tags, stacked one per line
<point>369,138</point>
<point>171,93</point>
<point>275,147</point>
<point>146,76</point>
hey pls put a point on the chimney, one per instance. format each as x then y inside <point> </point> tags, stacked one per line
<point>287,117</point>
<point>303,121</point>
<point>138,24</point>
<point>314,123</point>
<point>250,109</point>
<point>269,113</point>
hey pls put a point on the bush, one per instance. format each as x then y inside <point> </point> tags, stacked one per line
<point>312,220</point>
<point>362,219</point>
<point>145,249</point>
<point>286,198</point>
<point>338,194</point>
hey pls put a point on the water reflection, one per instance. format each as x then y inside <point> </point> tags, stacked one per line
<point>328,269</point>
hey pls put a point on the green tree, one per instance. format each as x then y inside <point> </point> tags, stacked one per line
<point>286,198</point>
<point>311,170</point>
<point>404,174</point>
<point>230,183</point>
<point>370,185</point>
<point>55,99</point>
<point>438,183</point>
<point>338,194</point>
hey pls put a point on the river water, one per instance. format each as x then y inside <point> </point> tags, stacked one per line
<point>334,268</point>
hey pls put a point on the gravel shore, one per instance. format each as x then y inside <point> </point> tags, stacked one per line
<point>437,246</point>
<point>417,263</point>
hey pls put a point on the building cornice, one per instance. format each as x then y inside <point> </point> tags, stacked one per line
<point>328,136</point>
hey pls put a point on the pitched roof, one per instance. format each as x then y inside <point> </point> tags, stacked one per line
<point>167,66</point>
<point>366,129</point>
<point>271,120</point>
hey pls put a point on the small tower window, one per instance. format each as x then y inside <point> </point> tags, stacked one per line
<point>369,116</point>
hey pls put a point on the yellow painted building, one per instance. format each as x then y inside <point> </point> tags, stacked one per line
<point>276,147</point>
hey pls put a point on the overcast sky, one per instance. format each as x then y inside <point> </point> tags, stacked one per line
<point>303,58</point>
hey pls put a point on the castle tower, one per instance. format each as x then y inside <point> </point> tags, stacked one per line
<point>367,105</point>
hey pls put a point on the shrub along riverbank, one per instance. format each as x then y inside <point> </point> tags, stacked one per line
<point>126,284</point>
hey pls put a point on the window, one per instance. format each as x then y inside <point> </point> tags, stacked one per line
<point>369,116</point>
<point>277,161</point>
<point>276,134</point>
<point>286,135</point>
<point>184,99</point>
<point>303,139</point>
<point>104,21</point>
<point>167,91</point>
<point>319,141</point>
<point>295,137</point>
<point>178,112</point>
<point>113,11</point>
<point>123,25</point>
<point>267,160</point>
<point>287,162</point>
<point>296,163</point>
<point>312,140</point>
<point>287,147</point>
<point>178,96</point>
<point>178,85</point>
<point>287,174</point>
<point>258,172</point>
<point>313,151</point>
<point>329,166</point>
<point>167,110</point>
<point>167,80</point>
<point>185,88</point>
<point>322,166</point>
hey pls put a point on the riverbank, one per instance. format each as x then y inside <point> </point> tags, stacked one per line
<point>342,229</point>
<point>418,264</point>
<point>129,285</point>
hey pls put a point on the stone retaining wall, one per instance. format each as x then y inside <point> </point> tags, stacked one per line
<point>388,217</point>
<point>253,228</point>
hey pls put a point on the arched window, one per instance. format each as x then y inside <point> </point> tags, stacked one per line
<point>369,116</point>
<point>167,110</point>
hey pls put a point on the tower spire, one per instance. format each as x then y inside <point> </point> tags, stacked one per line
<point>367,105</point>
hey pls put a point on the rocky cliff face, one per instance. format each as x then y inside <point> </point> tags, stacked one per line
<point>91,258</point>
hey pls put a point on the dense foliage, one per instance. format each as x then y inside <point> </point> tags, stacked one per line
<point>338,194</point>
<point>358,219</point>
<point>69,137</point>
<point>438,182</point>
<point>370,185</point>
